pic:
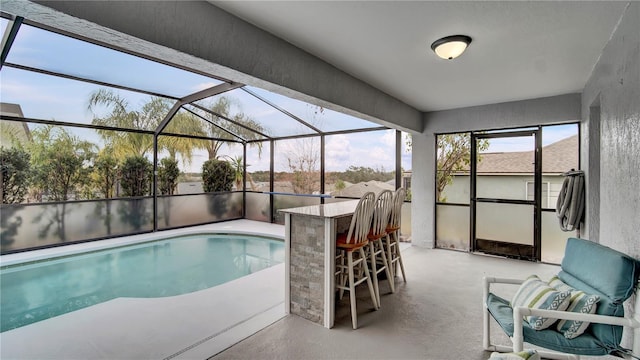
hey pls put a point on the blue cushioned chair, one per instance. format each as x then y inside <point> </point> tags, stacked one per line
<point>586,266</point>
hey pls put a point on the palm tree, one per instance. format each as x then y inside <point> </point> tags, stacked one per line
<point>222,107</point>
<point>151,114</point>
<point>125,143</point>
<point>238,167</point>
<point>183,123</point>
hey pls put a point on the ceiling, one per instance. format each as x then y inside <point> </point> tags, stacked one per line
<point>520,50</point>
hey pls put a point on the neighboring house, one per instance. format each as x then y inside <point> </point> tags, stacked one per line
<point>509,175</point>
<point>359,189</point>
<point>13,133</point>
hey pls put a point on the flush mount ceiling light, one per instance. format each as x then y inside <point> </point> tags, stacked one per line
<point>450,47</point>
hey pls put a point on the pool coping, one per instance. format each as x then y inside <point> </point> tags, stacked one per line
<point>208,340</point>
<point>196,325</point>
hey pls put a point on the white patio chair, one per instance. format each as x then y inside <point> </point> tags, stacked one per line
<point>392,243</point>
<point>591,328</point>
<point>377,251</point>
<point>354,242</point>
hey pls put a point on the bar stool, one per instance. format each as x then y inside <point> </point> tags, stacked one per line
<point>377,250</point>
<point>350,243</point>
<point>393,234</point>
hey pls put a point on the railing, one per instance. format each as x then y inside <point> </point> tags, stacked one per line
<point>32,226</point>
<point>40,225</point>
<point>453,229</point>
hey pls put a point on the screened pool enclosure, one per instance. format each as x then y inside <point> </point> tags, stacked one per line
<point>97,143</point>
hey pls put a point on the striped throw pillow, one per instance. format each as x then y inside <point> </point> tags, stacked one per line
<point>580,303</point>
<point>537,294</point>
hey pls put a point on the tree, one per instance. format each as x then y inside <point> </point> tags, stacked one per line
<point>453,155</point>
<point>14,175</point>
<point>14,133</point>
<point>135,180</point>
<point>105,173</point>
<point>149,117</point>
<point>303,157</point>
<point>357,174</point>
<point>217,175</point>
<point>125,143</point>
<point>103,180</point>
<point>238,168</point>
<point>61,162</point>
<point>260,175</point>
<point>61,167</point>
<point>168,173</point>
<point>183,123</point>
<point>135,176</point>
<point>303,160</point>
<point>222,108</point>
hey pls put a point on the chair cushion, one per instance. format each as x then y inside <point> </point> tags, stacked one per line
<point>600,270</point>
<point>551,339</point>
<point>580,303</point>
<point>610,272</point>
<point>537,294</point>
<point>342,244</point>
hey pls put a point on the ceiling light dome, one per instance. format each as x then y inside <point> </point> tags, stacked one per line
<point>450,47</point>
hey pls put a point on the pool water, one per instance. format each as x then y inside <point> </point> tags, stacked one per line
<point>36,291</point>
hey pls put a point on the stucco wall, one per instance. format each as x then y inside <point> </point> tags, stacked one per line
<point>422,199</point>
<point>547,110</point>
<point>615,85</point>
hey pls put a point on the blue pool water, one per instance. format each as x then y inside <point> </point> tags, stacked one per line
<point>40,290</point>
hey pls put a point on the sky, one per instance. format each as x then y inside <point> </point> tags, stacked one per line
<point>48,97</point>
<point>550,134</point>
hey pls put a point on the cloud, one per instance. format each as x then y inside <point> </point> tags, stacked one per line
<point>204,85</point>
<point>337,152</point>
<point>380,157</point>
<point>16,90</point>
<point>389,138</point>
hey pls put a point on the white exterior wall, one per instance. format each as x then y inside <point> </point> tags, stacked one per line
<point>503,187</point>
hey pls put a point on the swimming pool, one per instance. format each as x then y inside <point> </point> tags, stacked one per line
<point>39,290</point>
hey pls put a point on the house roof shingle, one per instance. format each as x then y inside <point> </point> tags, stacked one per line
<point>558,157</point>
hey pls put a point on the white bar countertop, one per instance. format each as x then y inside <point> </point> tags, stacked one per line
<point>333,210</point>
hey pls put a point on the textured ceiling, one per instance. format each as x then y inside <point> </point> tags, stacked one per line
<point>520,50</point>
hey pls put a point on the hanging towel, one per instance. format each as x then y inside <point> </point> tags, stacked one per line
<point>570,205</point>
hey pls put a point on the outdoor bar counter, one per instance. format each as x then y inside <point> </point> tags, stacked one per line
<point>310,246</point>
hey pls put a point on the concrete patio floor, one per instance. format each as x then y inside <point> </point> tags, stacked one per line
<point>437,314</point>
